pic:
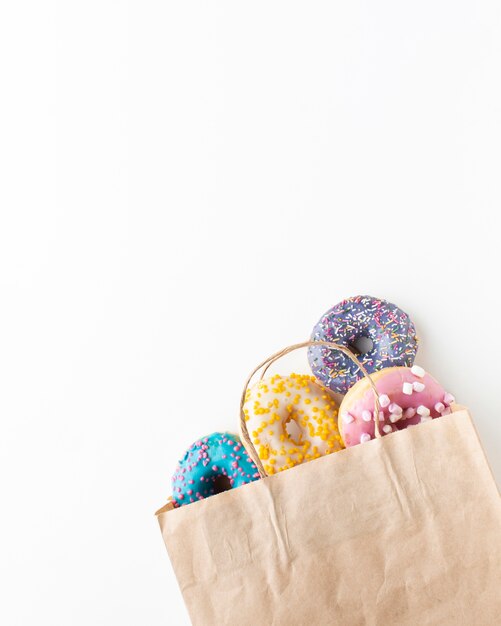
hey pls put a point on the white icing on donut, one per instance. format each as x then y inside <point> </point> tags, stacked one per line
<point>270,407</point>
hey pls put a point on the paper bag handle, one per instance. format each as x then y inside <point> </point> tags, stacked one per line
<point>278,355</point>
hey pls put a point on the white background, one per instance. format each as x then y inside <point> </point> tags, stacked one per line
<point>186,187</point>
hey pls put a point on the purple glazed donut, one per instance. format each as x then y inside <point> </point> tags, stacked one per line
<point>391,331</point>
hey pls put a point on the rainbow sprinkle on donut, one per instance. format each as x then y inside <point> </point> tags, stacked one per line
<point>392,332</point>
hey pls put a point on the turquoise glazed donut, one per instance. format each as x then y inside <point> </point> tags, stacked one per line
<point>213,464</point>
<point>391,331</point>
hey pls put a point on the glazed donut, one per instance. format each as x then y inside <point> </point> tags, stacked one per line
<point>407,396</point>
<point>272,403</point>
<point>393,336</point>
<point>208,464</point>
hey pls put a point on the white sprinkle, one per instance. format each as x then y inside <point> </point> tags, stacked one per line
<point>384,400</point>
<point>366,416</point>
<point>439,407</point>
<point>418,386</point>
<point>395,408</point>
<point>365,437</point>
<point>425,418</point>
<point>387,428</point>
<point>449,398</point>
<point>348,418</point>
<point>423,411</point>
<point>408,413</point>
<point>418,371</point>
<point>407,389</point>
<point>381,416</point>
<point>447,411</point>
<point>395,417</point>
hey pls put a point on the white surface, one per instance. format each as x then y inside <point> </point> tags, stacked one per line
<point>186,188</point>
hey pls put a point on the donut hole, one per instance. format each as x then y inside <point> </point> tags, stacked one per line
<point>293,431</point>
<point>221,483</point>
<point>361,345</point>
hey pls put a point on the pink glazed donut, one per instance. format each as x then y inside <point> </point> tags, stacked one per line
<point>408,396</point>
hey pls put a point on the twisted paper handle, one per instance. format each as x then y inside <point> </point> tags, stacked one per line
<point>278,355</point>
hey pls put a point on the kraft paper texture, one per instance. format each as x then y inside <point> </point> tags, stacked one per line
<point>404,531</point>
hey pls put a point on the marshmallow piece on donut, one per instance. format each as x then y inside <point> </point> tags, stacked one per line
<point>387,429</point>
<point>449,398</point>
<point>418,386</point>
<point>422,410</point>
<point>394,417</point>
<point>395,408</point>
<point>439,407</point>
<point>407,388</point>
<point>418,371</point>
<point>366,416</point>
<point>384,400</point>
<point>347,418</point>
<point>365,437</point>
<point>409,413</point>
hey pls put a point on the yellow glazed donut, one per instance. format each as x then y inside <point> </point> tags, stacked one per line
<point>272,403</point>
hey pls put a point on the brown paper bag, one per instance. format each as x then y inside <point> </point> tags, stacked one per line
<point>402,530</point>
